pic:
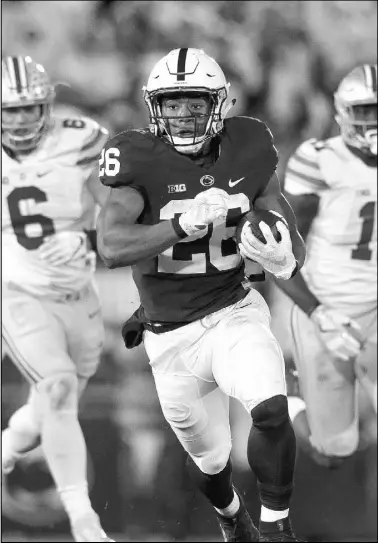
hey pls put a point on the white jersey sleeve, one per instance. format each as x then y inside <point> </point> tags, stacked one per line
<point>81,139</point>
<point>95,137</point>
<point>303,174</point>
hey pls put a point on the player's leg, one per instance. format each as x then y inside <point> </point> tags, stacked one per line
<point>327,419</point>
<point>366,363</point>
<point>197,411</point>
<point>38,338</point>
<point>23,431</point>
<point>84,333</point>
<point>248,365</point>
<point>22,434</point>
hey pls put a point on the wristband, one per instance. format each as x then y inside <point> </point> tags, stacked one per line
<point>312,308</point>
<point>177,227</point>
<point>92,238</point>
<point>295,270</point>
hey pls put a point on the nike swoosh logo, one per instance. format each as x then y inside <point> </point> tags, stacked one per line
<point>42,174</point>
<point>233,183</point>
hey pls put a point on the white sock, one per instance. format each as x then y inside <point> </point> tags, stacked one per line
<point>76,501</point>
<point>269,515</point>
<point>231,510</point>
<point>66,455</point>
<point>295,406</point>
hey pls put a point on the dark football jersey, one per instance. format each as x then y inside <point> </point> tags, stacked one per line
<point>202,273</point>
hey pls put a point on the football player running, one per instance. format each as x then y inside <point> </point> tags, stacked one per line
<point>178,191</point>
<point>332,187</point>
<point>51,317</point>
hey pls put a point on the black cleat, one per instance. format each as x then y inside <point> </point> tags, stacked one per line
<point>239,528</point>
<point>277,531</point>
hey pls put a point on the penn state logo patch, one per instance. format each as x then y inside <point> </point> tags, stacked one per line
<point>207,180</point>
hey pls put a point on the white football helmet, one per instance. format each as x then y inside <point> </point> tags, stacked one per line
<point>25,83</point>
<point>356,106</point>
<point>187,70</point>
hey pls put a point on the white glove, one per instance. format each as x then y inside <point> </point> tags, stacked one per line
<point>276,257</point>
<point>341,335</point>
<point>205,208</point>
<point>63,247</point>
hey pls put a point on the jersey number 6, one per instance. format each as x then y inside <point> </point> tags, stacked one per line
<point>112,165</point>
<point>30,230</point>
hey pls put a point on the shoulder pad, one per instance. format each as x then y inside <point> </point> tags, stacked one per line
<point>83,137</point>
<point>122,154</point>
<point>255,137</point>
<point>250,126</point>
<point>303,168</point>
<point>94,138</point>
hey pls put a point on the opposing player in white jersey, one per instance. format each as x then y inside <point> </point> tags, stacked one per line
<point>332,187</point>
<point>51,317</point>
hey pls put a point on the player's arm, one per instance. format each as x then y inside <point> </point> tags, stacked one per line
<point>305,208</point>
<point>120,240</point>
<point>281,258</point>
<point>303,187</point>
<point>273,199</point>
<point>98,191</point>
<point>99,194</point>
<point>340,334</point>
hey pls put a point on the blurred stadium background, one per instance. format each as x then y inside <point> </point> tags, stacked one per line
<point>284,60</point>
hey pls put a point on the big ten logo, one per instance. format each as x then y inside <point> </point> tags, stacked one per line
<point>176,188</point>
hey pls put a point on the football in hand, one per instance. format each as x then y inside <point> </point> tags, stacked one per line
<point>255,217</point>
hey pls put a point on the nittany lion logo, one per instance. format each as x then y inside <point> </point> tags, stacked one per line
<point>207,180</point>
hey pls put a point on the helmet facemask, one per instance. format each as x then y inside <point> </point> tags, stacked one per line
<point>161,125</point>
<point>26,136</point>
<point>358,124</point>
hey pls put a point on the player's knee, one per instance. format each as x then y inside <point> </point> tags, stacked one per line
<point>214,460</point>
<point>270,413</point>
<point>189,423</point>
<point>26,422</point>
<point>339,446</point>
<point>60,392</point>
<point>177,414</point>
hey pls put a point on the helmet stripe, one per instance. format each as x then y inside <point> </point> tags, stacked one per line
<point>17,75</point>
<point>23,72</point>
<point>181,64</point>
<point>11,74</point>
<point>374,77</point>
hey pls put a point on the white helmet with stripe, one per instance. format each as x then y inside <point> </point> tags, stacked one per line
<point>356,106</point>
<point>25,83</point>
<point>187,70</point>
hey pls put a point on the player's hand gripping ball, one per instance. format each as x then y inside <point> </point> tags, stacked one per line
<point>254,218</point>
<point>264,237</point>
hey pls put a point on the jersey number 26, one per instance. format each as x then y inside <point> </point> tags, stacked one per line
<point>213,246</point>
